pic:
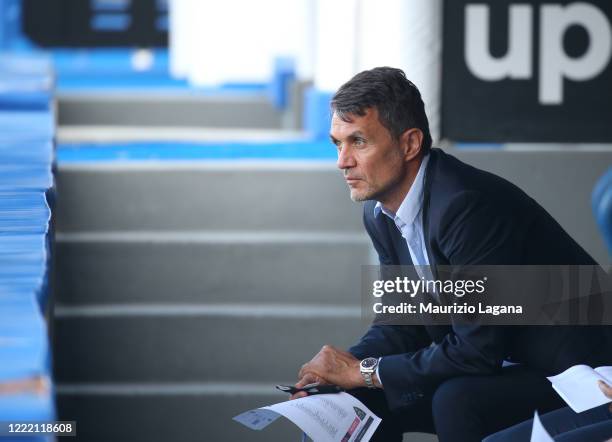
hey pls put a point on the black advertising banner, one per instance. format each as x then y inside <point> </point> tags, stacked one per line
<point>527,71</point>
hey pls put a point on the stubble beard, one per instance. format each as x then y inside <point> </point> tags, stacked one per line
<point>366,195</point>
<point>374,194</point>
<point>380,193</point>
<point>358,198</point>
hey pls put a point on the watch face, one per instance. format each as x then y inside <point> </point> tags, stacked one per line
<point>369,362</point>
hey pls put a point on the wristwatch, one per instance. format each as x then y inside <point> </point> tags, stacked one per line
<point>367,367</point>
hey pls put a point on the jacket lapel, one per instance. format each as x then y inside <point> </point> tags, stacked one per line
<point>399,243</point>
<point>429,174</point>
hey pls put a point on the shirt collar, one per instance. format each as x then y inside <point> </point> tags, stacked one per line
<point>411,206</point>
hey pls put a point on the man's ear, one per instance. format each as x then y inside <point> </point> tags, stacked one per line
<point>411,141</point>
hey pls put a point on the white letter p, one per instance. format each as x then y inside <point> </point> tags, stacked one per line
<point>554,62</point>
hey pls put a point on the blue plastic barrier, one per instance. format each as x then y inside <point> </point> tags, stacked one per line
<point>602,206</point>
<point>279,89</point>
<point>317,113</point>
<point>301,150</point>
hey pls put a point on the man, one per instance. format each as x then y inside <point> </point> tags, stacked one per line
<point>425,207</point>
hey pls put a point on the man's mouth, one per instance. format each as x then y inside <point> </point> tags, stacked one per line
<point>352,182</point>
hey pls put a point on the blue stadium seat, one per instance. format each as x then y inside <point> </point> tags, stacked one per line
<point>26,82</point>
<point>27,128</point>
<point>602,206</point>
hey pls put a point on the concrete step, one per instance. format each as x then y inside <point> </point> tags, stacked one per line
<point>186,343</point>
<point>172,134</point>
<point>204,196</point>
<point>175,413</point>
<point>205,267</point>
<point>167,109</point>
<point>123,414</point>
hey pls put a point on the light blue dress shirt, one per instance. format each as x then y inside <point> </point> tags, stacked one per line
<point>409,221</point>
<point>409,218</point>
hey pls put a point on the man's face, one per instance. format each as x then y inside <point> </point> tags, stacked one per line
<point>371,160</point>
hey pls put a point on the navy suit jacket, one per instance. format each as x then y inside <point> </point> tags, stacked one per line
<point>472,217</point>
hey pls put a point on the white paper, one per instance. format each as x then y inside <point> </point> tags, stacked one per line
<point>257,419</point>
<point>538,432</point>
<point>578,387</point>
<point>337,417</point>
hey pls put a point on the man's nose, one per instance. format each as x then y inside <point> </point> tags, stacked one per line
<point>345,159</point>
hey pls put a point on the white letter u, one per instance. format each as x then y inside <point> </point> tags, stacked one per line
<point>516,63</point>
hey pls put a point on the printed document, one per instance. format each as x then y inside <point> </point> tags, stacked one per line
<point>538,432</point>
<point>578,386</point>
<point>337,417</point>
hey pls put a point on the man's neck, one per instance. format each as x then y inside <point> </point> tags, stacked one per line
<point>395,199</point>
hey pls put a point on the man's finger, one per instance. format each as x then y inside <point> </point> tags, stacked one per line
<point>302,371</point>
<point>605,388</point>
<point>298,395</point>
<point>306,379</point>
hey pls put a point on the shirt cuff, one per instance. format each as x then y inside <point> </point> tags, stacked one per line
<point>377,373</point>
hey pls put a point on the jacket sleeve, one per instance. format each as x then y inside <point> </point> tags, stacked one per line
<point>471,232</point>
<point>382,340</point>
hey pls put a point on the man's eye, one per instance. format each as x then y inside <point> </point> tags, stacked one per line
<point>359,141</point>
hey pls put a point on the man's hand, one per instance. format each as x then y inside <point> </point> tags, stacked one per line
<point>331,366</point>
<point>607,390</point>
<point>305,380</point>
